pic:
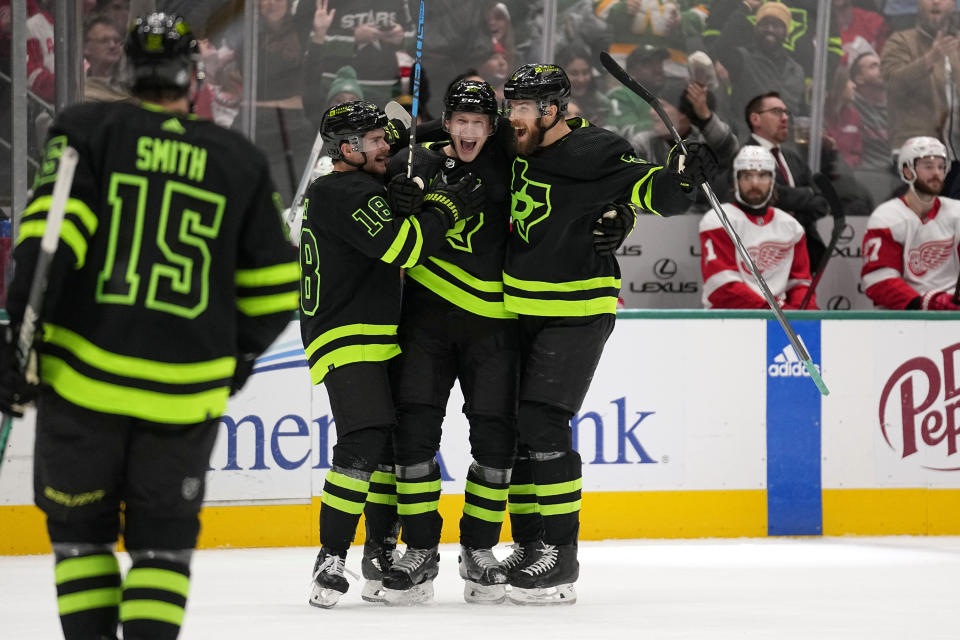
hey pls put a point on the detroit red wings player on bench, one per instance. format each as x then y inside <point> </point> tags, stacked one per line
<point>910,248</point>
<point>774,239</point>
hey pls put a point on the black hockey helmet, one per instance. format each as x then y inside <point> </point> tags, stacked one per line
<point>474,96</point>
<point>545,83</point>
<point>163,53</point>
<point>348,122</point>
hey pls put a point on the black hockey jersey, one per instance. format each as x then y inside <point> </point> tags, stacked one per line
<point>351,251</point>
<point>173,259</point>
<point>467,270</point>
<point>558,193</point>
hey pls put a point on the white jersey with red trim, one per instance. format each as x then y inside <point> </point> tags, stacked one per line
<point>777,245</point>
<point>905,256</point>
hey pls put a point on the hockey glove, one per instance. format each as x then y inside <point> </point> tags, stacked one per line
<point>397,135</point>
<point>245,362</point>
<point>938,301</point>
<point>698,166</point>
<point>455,201</point>
<point>15,391</point>
<point>612,228</point>
<point>405,195</point>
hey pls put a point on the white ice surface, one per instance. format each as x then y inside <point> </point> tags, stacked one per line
<point>903,588</point>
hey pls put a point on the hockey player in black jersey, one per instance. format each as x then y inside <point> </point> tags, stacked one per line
<point>454,325</point>
<point>173,273</point>
<point>352,247</point>
<point>564,290</point>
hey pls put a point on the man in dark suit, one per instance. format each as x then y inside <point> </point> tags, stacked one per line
<point>767,117</point>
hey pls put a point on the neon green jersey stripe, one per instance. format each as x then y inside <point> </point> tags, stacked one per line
<point>397,245</point>
<point>382,477</point>
<point>523,489</point>
<point>486,492</point>
<point>382,498</point>
<point>268,276</point>
<point>265,305</point>
<point>559,509</point>
<point>559,488</point>
<point>68,234</point>
<point>536,307</point>
<point>86,567</point>
<point>346,355</point>
<point>600,282</point>
<point>645,201</point>
<point>77,207</point>
<point>86,600</point>
<point>417,245</point>
<point>347,506</point>
<point>151,610</point>
<point>157,579</point>
<point>347,482</point>
<point>487,286</point>
<point>458,296</point>
<point>93,394</point>
<point>416,508</point>
<point>483,514</point>
<point>524,508</point>
<point>350,330</point>
<point>408,488</point>
<point>132,367</point>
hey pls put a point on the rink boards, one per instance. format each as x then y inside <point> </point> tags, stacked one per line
<point>698,424</point>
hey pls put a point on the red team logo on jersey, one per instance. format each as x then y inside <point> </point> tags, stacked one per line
<point>767,255</point>
<point>920,407</point>
<point>928,256</point>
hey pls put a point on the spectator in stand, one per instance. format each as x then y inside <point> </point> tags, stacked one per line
<point>116,11</point>
<point>771,236</point>
<point>364,34</point>
<point>875,169</point>
<point>768,118</point>
<point>103,53</point>
<point>345,87</point>
<point>691,108</point>
<point>914,64</point>
<point>501,30</point>
<point>840,120</point>
<point>755,59</point>
<point>661,23</point>
<point>910,246</point>
<point>856,23</point>
<point>219,96</point>
<point>594,105</point>
<point>629,113</point>
<point>577,25</point>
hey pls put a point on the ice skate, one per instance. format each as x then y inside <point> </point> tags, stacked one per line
<point>519,557</point>
<point>547,578</point>
<point>484,578</point>
<point>410,580</point>
<point>328,582</point>
<point>377,560</point>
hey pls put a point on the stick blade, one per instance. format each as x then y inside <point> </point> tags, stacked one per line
<point>815,376</point>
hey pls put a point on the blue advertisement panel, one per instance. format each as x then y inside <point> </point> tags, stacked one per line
<point>794,505</point>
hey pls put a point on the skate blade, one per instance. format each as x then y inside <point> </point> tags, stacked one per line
<point>560,594</point>
<point>324,598</point>
<point>418,594</point>
<point>373,591</point>
<point>475,593</point>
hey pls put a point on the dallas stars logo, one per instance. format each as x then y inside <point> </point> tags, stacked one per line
<point>530,200</point>
<point>460,237</point>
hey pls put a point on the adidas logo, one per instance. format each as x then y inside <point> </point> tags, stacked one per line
<point>787,364</point>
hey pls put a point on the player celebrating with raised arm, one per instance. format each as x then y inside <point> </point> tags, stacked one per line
<point>173,274</point>
<point>910,247</point>
<point>454,325</point>
<point>564,290</point>
<point>352,247</point>
<point>773,238</point>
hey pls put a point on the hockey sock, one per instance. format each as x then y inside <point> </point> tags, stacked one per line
<point>344,495</point>
<point>558,479</point>
<point>88,590</point>
<point>526,525</point>
<point>418,496</point>
<point>155,595</point>
<point>484,507</point>
<point>383,524</point>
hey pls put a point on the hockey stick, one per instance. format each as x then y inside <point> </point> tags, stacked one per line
<point>416,92</point>
<point>297,202</point>
<point>620,74</point>
<point>26,357</point>
<point>826,189</point>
